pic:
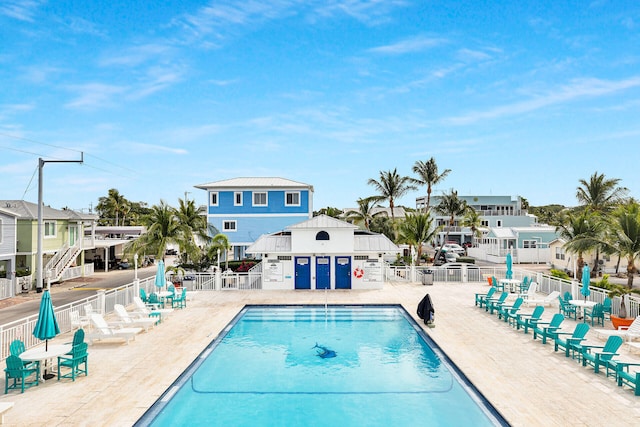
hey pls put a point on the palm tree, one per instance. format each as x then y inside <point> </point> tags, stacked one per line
<point>382,224</point>
<point>364,215</point>
<point>600,194</point>
<point>112,205</point>
<point>219,243</point>
<point>191,217</point>
<point>163,228</point>
<point>329,211</point>
<point>580,232</point>
<point>624,238</point>
<point>416,230</point>
<point>429,176</point>
<point>392,186</point>
<point>473,220</point>
<point>453,206</point>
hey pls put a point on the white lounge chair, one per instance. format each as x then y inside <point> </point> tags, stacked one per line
<point>627,332</point>
<point>133,321</point>
<point>546,301</point>
<point>76,321</point>
<point>102,331</point>
<point>153,311</point>
<point>531,292</point>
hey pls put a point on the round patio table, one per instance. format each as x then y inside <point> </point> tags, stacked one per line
<point>41,355</point>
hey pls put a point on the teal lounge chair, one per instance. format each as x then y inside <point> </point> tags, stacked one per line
<point>507,312</point>
<point>626,377</point>
<point>482,298</point>
<point>180,301</point>
<point>525,320</point>
<point>74,362</point>
<point>16,348</point>
<point>547,329</point>
<point>494,304</point>
<point>606,307</point>
<point>595,313</point>
<point>571,343</point>
<point>602,357</point>
<point>569,310</point>
<point>19,376</point>
<point>78,338</point>
<point>496,284</point>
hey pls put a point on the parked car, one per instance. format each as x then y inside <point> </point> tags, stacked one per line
<point>445,257</point>
<point>453,247</point>
<point>171,252</point>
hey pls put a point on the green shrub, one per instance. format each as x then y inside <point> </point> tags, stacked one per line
<point>559,274</point>
<point>603,283</point>
<point>467,259</point>
<point>21,272</point>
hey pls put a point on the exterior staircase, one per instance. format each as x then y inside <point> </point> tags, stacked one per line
<point>62,260</point>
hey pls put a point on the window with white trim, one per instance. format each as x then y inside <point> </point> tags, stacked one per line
<point>292,198</point>
<point>529,244</point>
<point>237,198</point>
<point>229,225</point>
<point>213,198</point>
<point>498,223</point>
<point>484,222</point>
<point>559,253</point>
<point>50,229</point>
<point>259,199</point>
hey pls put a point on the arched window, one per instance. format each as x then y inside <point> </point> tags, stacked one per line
<point>322,235</point>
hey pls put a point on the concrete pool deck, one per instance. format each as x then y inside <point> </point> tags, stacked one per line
<point>526,381</point>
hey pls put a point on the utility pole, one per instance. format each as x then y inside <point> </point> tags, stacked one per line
<point>41,163</point>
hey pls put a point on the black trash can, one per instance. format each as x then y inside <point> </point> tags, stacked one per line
<point>427,277</point>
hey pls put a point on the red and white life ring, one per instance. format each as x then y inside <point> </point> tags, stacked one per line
<point>358,273</point>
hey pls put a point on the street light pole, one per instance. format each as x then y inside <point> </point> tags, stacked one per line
<point>39,267</point>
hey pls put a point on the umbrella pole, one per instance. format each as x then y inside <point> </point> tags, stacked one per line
<point>45,375</point>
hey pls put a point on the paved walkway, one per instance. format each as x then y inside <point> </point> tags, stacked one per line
<point>528,383</point>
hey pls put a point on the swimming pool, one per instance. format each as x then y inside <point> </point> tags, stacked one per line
<point>322,366</point>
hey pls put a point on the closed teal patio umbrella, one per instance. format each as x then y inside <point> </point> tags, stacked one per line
<point>509,273</point>
<point>160,281</point>
<point>47,324</point>
<point>586,280</point>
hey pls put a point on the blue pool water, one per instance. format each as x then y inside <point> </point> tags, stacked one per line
<point>265,370</point>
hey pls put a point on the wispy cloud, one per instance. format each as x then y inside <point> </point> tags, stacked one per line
<point>136,55</point>
<point>23,10</point>
<point>7,110</point>
<point>218,16</point>
<point>581,88</point>
<point>154,148</point>
<point>188,134</point>
<point>224,82</point>
<point>40,74</point>
<point>94,95</point>
<point>218,19</point>
<point>159,78</point>
<point>415,44</point>
<point>371,12</point>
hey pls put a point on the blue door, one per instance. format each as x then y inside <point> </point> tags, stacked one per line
<point>323,272</point>
<point>303,272</point>
<point>343,272</point>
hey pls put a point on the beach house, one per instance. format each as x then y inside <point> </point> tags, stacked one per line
<point>246,208</point>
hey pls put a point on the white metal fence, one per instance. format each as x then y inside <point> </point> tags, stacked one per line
<point>105,301</point>
<point>477,274</point>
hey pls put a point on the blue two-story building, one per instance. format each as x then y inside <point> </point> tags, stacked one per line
<point>246,208</point>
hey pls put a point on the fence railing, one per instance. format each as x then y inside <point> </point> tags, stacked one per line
<point>105,301</point>
<point>546,283</point>
<point>6,288</point>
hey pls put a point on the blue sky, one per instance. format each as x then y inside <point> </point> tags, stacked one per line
<point>516,98</point>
